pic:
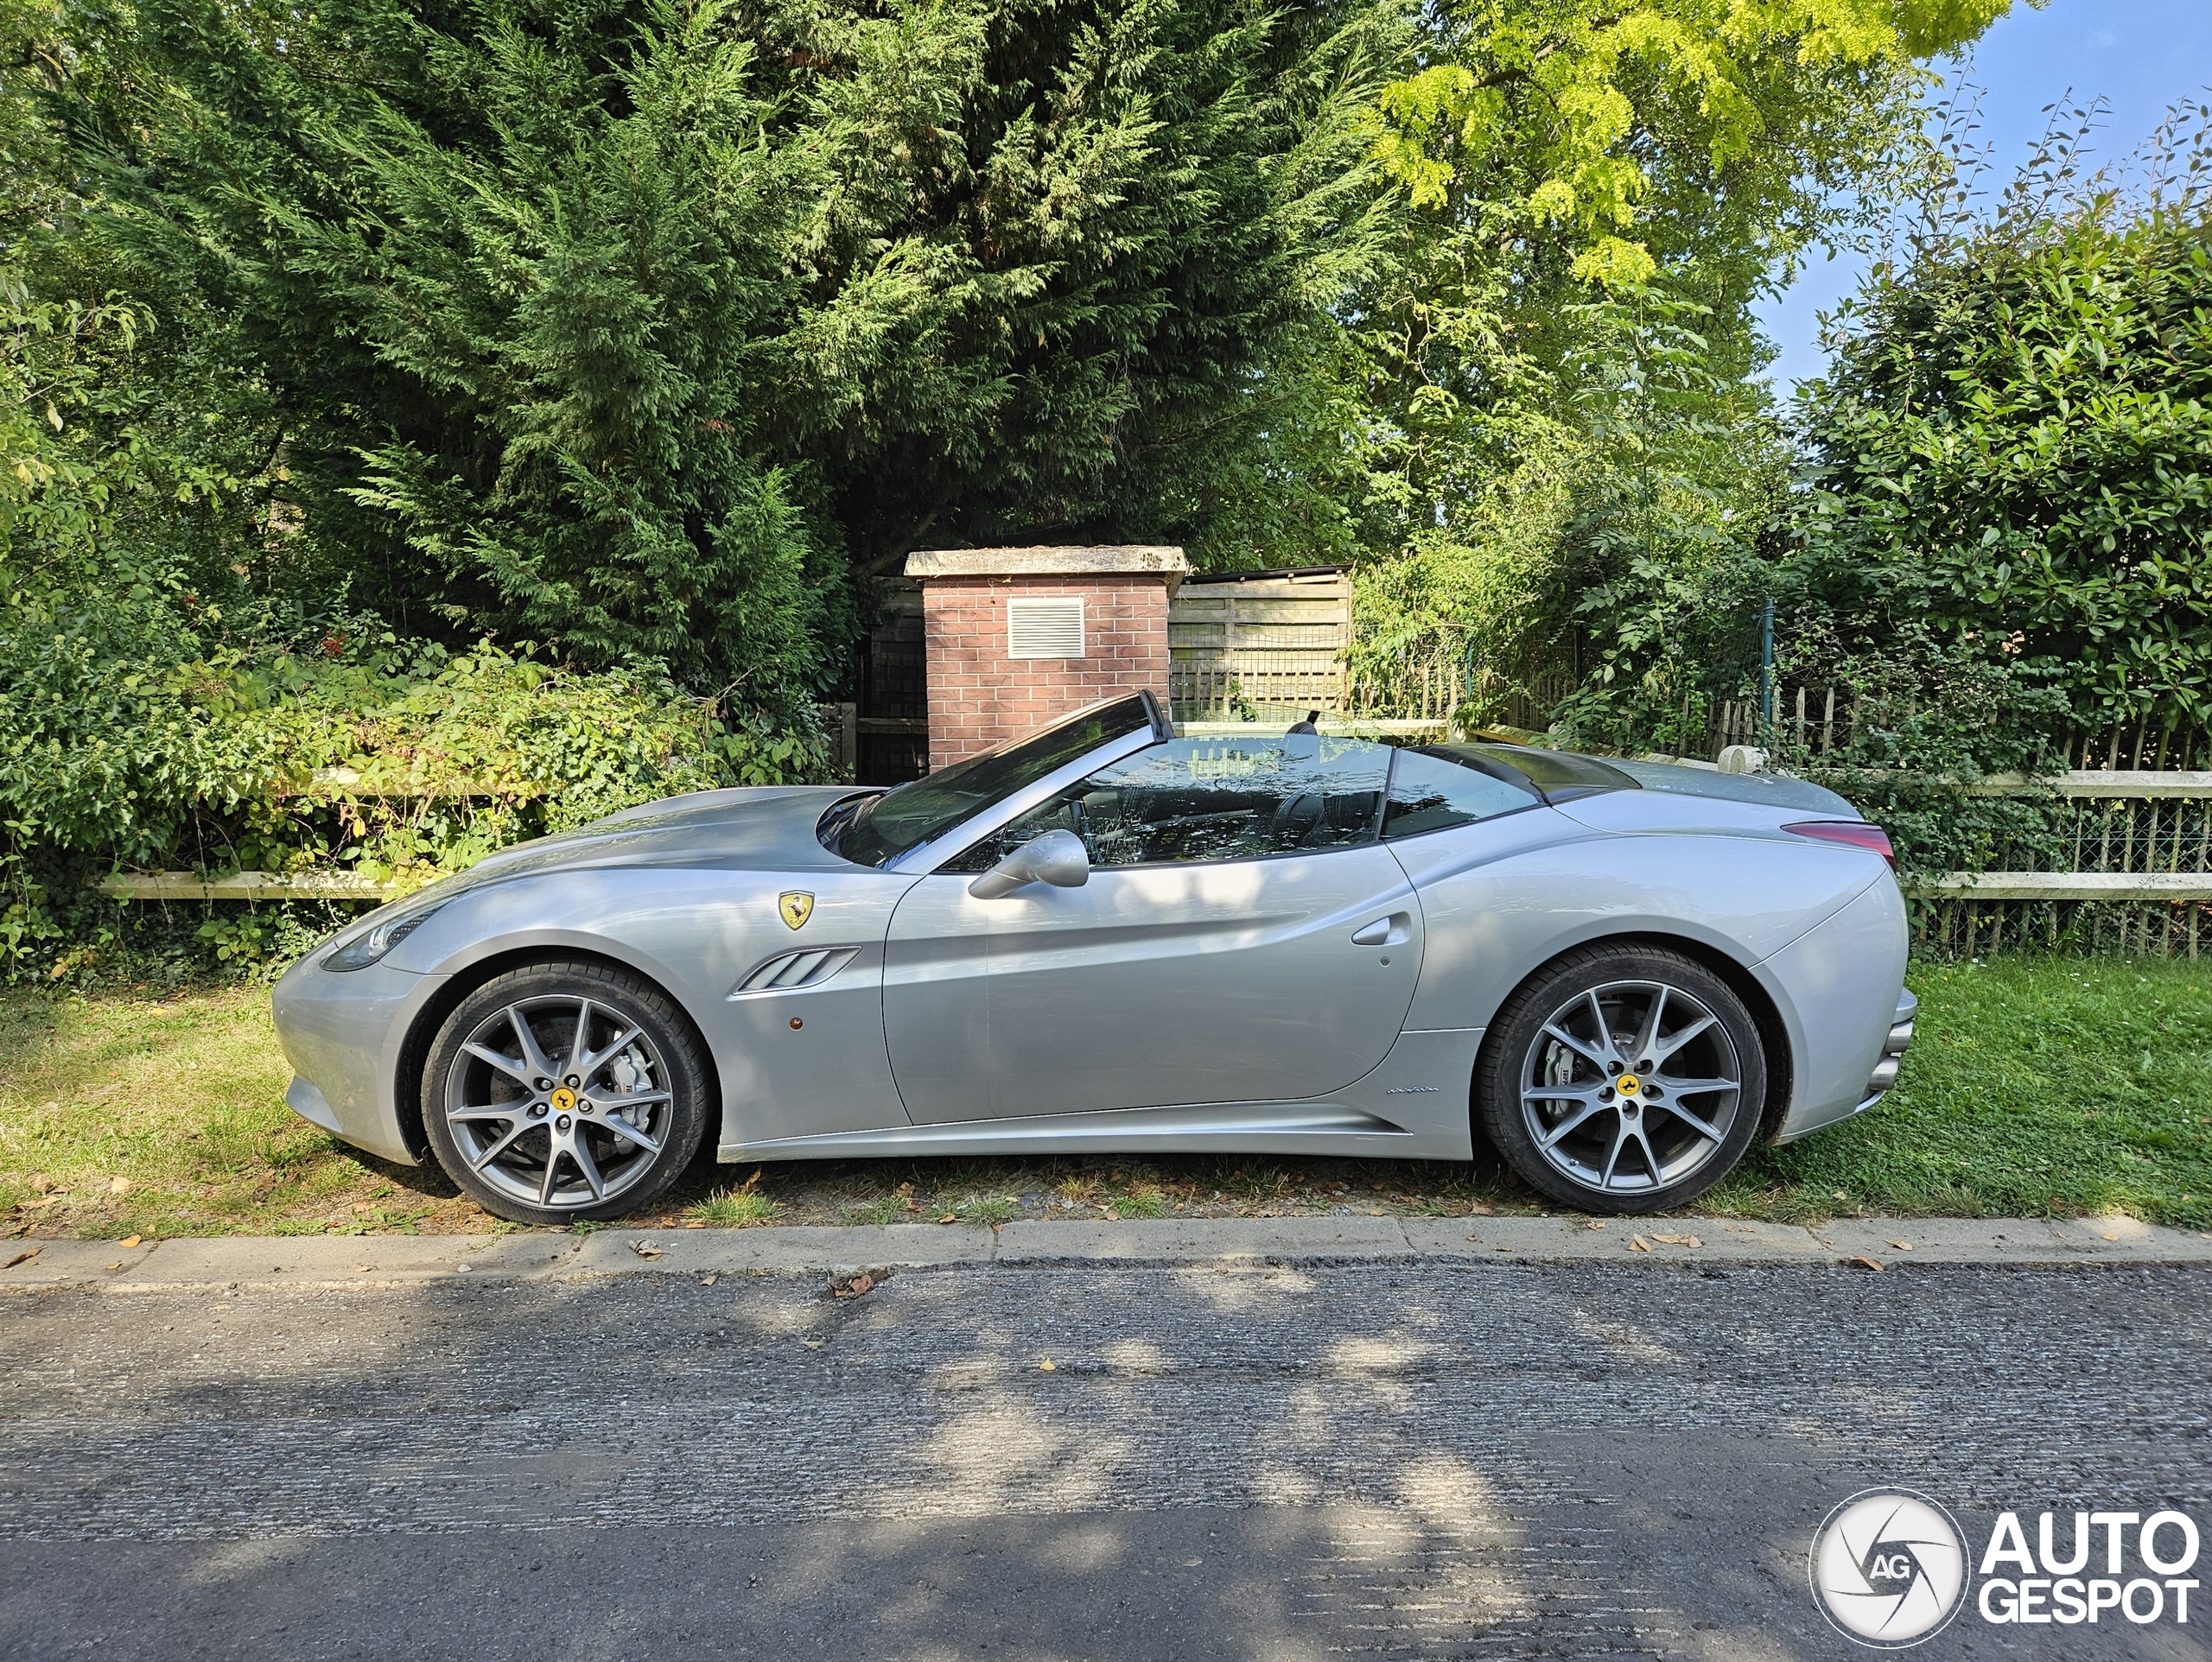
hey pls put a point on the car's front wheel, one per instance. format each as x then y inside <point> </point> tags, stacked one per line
<point>561,1091</point>
<point>1623,1079</point>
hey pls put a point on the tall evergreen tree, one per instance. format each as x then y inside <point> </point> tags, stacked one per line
<point>640,326</point>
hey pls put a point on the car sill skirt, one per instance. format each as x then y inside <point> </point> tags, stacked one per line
<point>1277,1128</point>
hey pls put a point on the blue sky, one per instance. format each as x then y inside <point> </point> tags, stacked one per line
<point>2140,55</point>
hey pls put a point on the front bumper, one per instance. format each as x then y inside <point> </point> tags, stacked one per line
<point>342,1034</point>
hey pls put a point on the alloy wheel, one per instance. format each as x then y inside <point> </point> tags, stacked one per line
<point>1630,1087</point>
<point>559,1102</point>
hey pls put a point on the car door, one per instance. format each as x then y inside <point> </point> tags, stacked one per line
<point>1211,957</point>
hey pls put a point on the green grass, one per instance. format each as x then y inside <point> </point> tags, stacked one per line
<point>733,1208</point>
<point>2034,1087</point>
<point>1143,1201</point>
<point>158,1117</point>
<point>988,1209</point>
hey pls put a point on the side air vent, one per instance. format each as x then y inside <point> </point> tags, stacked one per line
<point>788,970</point>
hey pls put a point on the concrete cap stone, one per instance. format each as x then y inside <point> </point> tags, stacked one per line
<point>1114,560</point>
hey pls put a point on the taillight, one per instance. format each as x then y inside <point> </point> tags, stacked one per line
<point>1853,834</point>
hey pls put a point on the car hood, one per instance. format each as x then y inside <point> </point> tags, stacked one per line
<point>767,827</point>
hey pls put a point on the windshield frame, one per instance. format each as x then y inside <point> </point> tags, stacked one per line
<point>926,856</point>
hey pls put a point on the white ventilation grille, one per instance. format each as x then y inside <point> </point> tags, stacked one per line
<point>1044,629</point>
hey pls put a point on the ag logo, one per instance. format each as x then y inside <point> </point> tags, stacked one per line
<point>796,908</point>
<point>1889,1568</point>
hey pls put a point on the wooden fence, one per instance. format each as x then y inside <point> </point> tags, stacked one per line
<point>2128,870</point>
<point>1816,720</point>
<point>1269,645</point>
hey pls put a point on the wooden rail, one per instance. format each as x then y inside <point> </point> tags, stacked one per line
<point>246,885</point>
<point>2058,885</point>
<point>1336,727</point>
<point>2115,782</point>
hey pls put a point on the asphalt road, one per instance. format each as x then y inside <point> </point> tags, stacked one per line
<point>1482,1460</point>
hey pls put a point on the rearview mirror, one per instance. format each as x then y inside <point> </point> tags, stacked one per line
<point>1057,858</point>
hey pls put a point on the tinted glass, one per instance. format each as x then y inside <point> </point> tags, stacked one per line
<point>1557,773</point>
<point>1430,792</point>
<point>1212,799</point>
<point>911,815</point>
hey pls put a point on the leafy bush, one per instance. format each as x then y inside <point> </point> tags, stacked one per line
<point>2010,446</point>
<point>395,760</point>
<point>157,709</point>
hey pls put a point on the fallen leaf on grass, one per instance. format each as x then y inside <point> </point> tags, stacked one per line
<point>1865,1263</point>
<point>130,1241</point>
<point>852,1289</point>
<point>119,1185</point>
<point>1478,1209</point>
<point>22,1258</point>
<point>645,1249</point>
<point>1679,1241</point>
<point>948,1218</point>
<point>1638,1244</point>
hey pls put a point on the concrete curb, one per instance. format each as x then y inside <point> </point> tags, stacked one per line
<point>268,1263</point>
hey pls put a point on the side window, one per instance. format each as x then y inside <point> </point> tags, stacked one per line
<point>1429,793</point>
<point>1213,799</point>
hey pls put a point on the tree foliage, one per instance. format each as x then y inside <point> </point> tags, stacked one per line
<point>633,326</point>
<point>1634,135</point>
<point>2012,441</point>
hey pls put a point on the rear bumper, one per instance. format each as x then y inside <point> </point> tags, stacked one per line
<point>1893,1050</point>
<point>1838,989</point>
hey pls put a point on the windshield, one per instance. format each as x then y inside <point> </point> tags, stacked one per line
<point>913,814</point>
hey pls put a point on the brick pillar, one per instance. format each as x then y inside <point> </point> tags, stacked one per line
<point>980,693</point>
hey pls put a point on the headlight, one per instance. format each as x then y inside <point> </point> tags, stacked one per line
<point>367,947</point>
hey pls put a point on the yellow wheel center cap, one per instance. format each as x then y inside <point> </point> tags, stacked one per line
<point>562,1100</point>
<point>1628,1084</point>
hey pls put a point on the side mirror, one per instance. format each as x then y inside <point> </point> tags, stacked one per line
<point>1057,858</point>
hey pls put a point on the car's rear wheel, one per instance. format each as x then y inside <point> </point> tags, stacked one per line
<point>565,1091</point>
<point>1623,1079</point>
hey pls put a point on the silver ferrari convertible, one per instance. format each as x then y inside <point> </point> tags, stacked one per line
<point>1105,937</point>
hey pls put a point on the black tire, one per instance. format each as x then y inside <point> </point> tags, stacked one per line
<point>578,1140</point>
<point>1618,1137</point>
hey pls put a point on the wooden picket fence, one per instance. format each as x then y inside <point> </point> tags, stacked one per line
<point>2134,873</point>
<point>1816,720</point>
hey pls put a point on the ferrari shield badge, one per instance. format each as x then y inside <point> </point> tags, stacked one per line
<point>796,908</point>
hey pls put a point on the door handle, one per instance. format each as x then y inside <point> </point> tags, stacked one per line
<point>1392,931</point>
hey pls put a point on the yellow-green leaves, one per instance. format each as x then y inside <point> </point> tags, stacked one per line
<point>1554,111</point>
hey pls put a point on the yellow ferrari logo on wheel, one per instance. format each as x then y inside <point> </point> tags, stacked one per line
<point>796,908</point>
